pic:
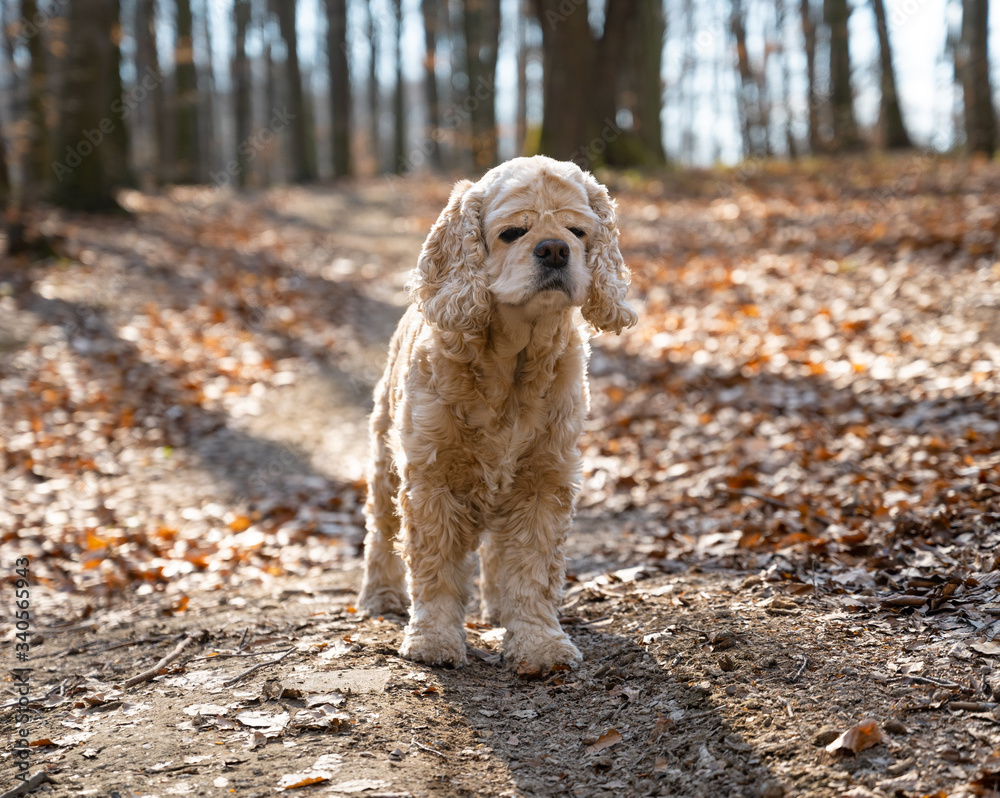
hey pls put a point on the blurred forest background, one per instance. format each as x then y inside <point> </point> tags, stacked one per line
<point>99,94</point>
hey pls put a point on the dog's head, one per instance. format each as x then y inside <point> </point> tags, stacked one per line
<point>534,233</point>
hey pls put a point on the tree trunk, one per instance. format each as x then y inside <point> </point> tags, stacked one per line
<point>271,166</point>
<point>432,14</point>
<point>148,120</point>
<point>643,89</point>
<point>974,71</point>
<point>568,56</point>
<point>746,97</point>
<point>39,165</point>
<point>813,100</point>
<point>206,98</point>
<point>894,135</point>
<point>521,124</point>
<point>4,175</point>
<point>242,88</point>
<point>340,86</point>
<point>302,154</point>
<point>400,160</point>
<point>580,77</point>
<point>781,11</point>
<point>481,25</point>
<point>374,109</point>
<point>93,147</point>
<point>186,155</point>
<point>12,224</point>
<point>844,125</point>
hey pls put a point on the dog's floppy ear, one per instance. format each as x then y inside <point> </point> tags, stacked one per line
<point>449,284</point>
<point>605,306</point>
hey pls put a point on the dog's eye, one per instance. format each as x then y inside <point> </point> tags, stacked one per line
<point>512,234</point>
<point>578,232</point>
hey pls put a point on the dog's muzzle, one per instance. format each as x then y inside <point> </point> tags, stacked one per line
<point>552,255</point>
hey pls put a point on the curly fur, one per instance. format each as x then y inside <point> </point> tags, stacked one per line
<point>477,418</point>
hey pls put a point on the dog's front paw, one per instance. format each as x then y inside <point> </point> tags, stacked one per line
<point>434,648</point>
<point>540,650</point>
<point>383,601</point>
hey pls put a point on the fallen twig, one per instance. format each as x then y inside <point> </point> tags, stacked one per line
<point>974,706</point>
<point>423,747</point>
<point>593,620</point>
<point>153,672</point>
<point>949,685</point>
<point>256,668</point>
<point>802,667</point>
<point>238,654</point>
<point>41,777</point>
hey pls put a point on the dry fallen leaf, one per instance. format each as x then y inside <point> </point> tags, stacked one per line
<point>609,738</point>
<point>988,648</point>
<point>323,716</point>
<point>359,785</point>
<point>865,734</point>
<point>206,709</point>
<point>292,781</point>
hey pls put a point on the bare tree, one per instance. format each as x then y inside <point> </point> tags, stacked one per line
<point>432,23</point>
<point>894,135</point>
<point>481,26</point>
<point>843,122</point>
<point>91,133</point>
<point>399,159</point>
<point>374,108</point>
<point>206,97</point>
<point>186,156</point>
<point>748,95</point>
<point>340,85</point>
<point>521,124</point>
<point>974,72</point>
<point>781,24</point>
<point>641,88</point>
<point>302,153</point>
<point>242,88</point>
<point>813,99</point>
<point>147,123</point>
<point>4,168</point>
<point>579,88</point>
<point>270,165</point>
<point>39,161</point>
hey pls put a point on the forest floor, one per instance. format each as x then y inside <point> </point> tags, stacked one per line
<point>783,575</point>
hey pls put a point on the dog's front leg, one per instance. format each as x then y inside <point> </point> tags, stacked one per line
<point>525,568</point>
<point>439,535</point>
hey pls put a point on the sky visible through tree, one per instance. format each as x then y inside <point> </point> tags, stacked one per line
<point>924,73</point>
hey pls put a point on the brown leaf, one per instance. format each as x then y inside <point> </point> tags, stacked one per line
<point>865,735</point>
<point>609,738</point>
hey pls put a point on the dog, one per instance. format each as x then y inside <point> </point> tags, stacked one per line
<point>476,425</point>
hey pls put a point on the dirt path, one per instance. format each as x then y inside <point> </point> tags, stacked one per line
<point>693,685</point>
<point>767,553</point>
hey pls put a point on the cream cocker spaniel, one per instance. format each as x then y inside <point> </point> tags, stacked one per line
<point>477,419</point>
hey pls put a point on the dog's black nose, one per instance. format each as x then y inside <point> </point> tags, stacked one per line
<point>552,252</point>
